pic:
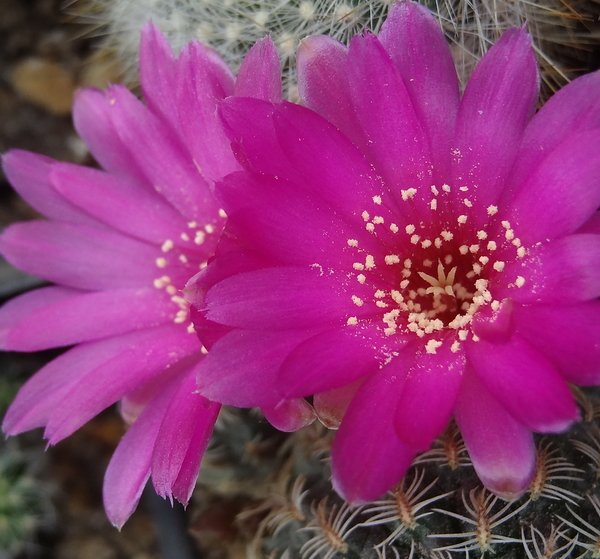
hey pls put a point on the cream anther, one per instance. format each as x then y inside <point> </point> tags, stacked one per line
<point>432,345</point>
<point>357,301</point>
<point>167,245</point>
<point>409,193</point>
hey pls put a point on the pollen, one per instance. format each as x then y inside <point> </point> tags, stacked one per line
<point>352,242</point>
<point>409,193</point>
<point>520,281</point>
<point>492,245</point>
<point>361,278</point>
<point>521,252</point>
<point>167,245</point>
<point>426,243</point>
<point>366,216</point>
<point>222,213</point>
<point>392,259</point>
<point>185,237</point>
<point>434,190</point>
<point>433,204</point>
<point>432,345</point>
<point>492,210</point>
<point>183,259</point>
<point>357,301</point>
<point>358,266</point>
<point>499,265</point>
<point>377,200</point>
<point>482,235</point>
<point>447,235</point>
<point>468,203</point>
<point>379,294</point>
<point>463,249</point>
<point>200,236</point>
<point>410,229</point>
<point>414,239</point>
<point>394,228</point>
<point>209,228</point>
<point>446,187</point>
<point>369,262</point>
<point>370,227</point>
<point>462,219</point>
<point>161,262</point>
<point>352,321</point>
<point>378,220</point>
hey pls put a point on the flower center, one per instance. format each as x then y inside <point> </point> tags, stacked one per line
<point>437,272</point>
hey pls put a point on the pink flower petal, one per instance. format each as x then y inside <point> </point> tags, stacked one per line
<point>129,467</point>
<point>280,298</point>
<point>45,392</point>
<point>398,143</point>
<point>501,448</point>
<point>325,160</point>
<point>119,203</point>
<point>563,189</point>
<point>260,73</point>
<point>331,360</point>
<point>331,406</point>
<point>200,86</point>
<point>78,256</point>
<point>523,381</point>
<point>91,117</point>
<point>592,225</point>
<point>143,355</point>
<point>241,367</point>
<point>251,204</point>
<point>22,307</point>
<point>367,456</point>
<point>290,415</point>
<point>427,398</point>
<point>182,439</point>
<point>157,73</point>
<point>571,110</point>
<point>414,40</point>
<point>323,84</point>
<point>569,336</point>
<point>498,102</point>
<point>164,160</point>
<point>561,272</point>
<point>84,317</point>
<point>248,123</point>
<point>29,174</point>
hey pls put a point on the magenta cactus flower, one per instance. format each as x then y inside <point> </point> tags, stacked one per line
<point>406,255</point>
<point>120,244</point>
